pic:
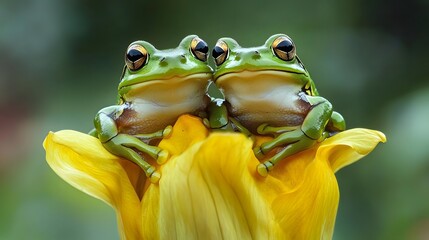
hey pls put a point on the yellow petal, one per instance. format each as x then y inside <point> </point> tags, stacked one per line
<point>349,146</point>
<point>209,192</point>
<point>83,162</point>
<point>212,189</point>
<point>187,131</point>
<point>209,187</point>
<point>308,209</point>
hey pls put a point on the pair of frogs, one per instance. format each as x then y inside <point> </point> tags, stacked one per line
<point>263,90</point>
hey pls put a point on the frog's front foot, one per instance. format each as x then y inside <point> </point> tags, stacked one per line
<point>164,133</point>
<point>162,155</point>
<point>293,141</point>
<point>125,145</point>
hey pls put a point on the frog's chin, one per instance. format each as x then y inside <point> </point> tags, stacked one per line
<point>263,77</point>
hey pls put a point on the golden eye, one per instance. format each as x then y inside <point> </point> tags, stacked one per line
<point>200,49</point>
<point>136,57</point>
<point>284,48</point>
<point>220,52</point>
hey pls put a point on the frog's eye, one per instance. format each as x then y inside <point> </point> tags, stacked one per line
<point>220,52</point>
<point>136,57</point>
<point>284,48</point>
<point>200,49</point>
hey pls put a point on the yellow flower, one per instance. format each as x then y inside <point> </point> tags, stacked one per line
<point>209,187</point>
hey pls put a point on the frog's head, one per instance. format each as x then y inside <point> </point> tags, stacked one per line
<point>144,63</point>
<point>277,57</point>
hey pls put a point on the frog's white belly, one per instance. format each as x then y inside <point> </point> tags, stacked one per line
<point>159,103</point>
<point>264,98</point>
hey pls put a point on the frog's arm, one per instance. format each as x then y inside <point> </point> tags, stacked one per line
<point>317,118</point>
<point>123,144</point>
<point>216,109</point>
<point>298,139</point>
<point>105,124</point>
<point>219,118</point>
<point>218,115</point>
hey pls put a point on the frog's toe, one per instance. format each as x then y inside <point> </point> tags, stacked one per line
<point>154,177</point>
<point>264,168</point>
<point>167,131</point>
<point>261,128</point>
<point>162,157</point>
<point>258,152</point>
<point>152,174</point>
<point>206,123</point>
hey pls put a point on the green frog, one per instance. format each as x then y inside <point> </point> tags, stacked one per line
<point>266,90</point>
<point>156,87</point>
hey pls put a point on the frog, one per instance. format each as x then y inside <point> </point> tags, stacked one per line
<point>266,90</point>
<point>156,87</point>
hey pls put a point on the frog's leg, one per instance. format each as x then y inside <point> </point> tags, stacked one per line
<point>265,129</point>
<point>156,135</point>
<point>295,141</point>
<point>336,124</point>
<point>238,127</point>
<point>311,131</point>
<point>123,144</point>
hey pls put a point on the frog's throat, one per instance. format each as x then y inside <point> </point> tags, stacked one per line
<point>280,75</point>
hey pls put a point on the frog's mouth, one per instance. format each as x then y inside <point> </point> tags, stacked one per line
<point>260,77</point>
<point>168,88</point>
<point>166,83</point>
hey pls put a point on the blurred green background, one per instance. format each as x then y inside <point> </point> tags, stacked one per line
<point>60,62</point>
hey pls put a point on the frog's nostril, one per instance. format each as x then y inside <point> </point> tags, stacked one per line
<point>182,58</point>
<point>257,55</point>
<point>162,62</point>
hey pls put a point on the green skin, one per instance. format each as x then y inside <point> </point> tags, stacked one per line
<point>266,95</point>
<point>171,83</point>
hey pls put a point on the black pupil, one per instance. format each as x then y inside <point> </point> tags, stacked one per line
<point>217,51</point>
<point>285,46</point>
<point>202,47</point>
<point>134,55</point>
